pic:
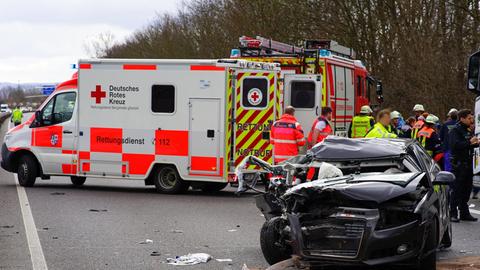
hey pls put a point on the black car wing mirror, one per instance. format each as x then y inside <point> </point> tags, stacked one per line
<point>444,178</point>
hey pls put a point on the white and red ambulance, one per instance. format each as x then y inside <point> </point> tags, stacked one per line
<point>171,123</point>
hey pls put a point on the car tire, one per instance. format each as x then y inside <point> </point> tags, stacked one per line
<point>429,262</point>
<point>447,237</point>
<point>168,181</point>
<point>78,181</point>
<point>212,187</point>
<point>27,171</point>
<point>272,250</point>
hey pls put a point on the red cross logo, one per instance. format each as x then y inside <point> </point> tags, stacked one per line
<point>98,94</point>
<point>255,96</point>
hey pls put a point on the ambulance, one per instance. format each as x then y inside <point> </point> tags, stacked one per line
<point>169,123</point>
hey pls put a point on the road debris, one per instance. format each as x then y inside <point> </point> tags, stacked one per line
<point>7,226</point>
<point>155,253</point>
<point>232,230</point>
<point>223,260</point>
<point>98,210</point>
<point>177,231</point>
<point>147,241</point>
<point>190,259</point>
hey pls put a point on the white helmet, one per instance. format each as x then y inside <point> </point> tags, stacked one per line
<point>365,109</point>
<point>452,110</point>
<point>431,119</point>
<point>395,115</point>
<point>418,108</point>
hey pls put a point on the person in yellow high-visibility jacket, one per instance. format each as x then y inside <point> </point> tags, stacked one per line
<point>17,116</point>
<point>380,129</point>
<point>361,123</point>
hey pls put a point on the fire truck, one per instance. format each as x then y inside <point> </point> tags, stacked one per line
<point>319,74</point>
<point>171,123</point>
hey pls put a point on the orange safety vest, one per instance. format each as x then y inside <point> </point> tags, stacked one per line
<point>416,128</point>
<point>323,133</point>
<point>286,135</point>
<point>423,135</point>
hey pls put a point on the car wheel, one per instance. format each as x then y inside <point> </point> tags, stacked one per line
<point>212,187</point>
<point>429,262</point>
<point>274,249</point>
<point>167,180</point>
<point>78,180</point>
<point>27,171</point>
<point>447,237</point>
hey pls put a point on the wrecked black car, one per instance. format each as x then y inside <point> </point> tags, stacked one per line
<point>363,202</point>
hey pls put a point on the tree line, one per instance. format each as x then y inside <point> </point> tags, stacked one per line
<point>418,48</point>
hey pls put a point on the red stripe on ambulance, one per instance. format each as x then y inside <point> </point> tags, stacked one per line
<point>171,142</point>
<point>85,66</point>
<point>47,136</point>
<point>206,68</point>
<point>137,163</point>
<point>203,164</point>
<point>140,67</point>
<point>107,140</point>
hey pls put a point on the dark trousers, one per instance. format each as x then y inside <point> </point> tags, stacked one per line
<point>462,188</point>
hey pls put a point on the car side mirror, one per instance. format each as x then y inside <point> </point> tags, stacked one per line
<point>444,178</point>
<point>38,121</point>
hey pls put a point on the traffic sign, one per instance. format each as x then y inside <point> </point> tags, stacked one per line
<point>48,89</point>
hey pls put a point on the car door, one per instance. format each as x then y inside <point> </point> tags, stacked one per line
<point>53,134</point>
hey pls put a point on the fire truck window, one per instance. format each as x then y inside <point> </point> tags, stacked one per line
<point>359,86</point>
<point>302,94</point>
<point>163,98</point>
<point>255,93</point>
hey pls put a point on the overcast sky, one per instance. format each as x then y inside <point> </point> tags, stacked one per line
<point>40,39</point>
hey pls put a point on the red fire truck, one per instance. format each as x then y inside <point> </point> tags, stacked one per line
<point>319,74</point>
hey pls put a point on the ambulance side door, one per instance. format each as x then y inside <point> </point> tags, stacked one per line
<point>304,93</point>
<point>53,133</point>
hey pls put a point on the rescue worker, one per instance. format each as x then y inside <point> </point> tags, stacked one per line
<point>380,129</point>
<point>361,123</point>
<point>418,125</point>
<point>17,116</point>
<point>395,118</point>
<point>418,109</point>
<point>286,136</point>
<point>407,128</point>
<point>429,138</point>
<point>461,143</point>
<point>321,127</point>
<point>444,130</point>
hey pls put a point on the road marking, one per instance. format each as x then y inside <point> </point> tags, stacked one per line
<point>473,211</point>
<point>36,253</point>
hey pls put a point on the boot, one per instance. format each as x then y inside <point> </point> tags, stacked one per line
<point>468,217</point>
<point>454,217</point>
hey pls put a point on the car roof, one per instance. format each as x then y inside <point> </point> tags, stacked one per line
<point>340,148</point>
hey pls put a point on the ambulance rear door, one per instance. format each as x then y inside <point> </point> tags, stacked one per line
<point>256,102</point>
<point>304,93</point>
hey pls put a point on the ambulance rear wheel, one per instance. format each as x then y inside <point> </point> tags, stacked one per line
<point>78,180</point>
<point>167,180</point>
<point>27,171</point>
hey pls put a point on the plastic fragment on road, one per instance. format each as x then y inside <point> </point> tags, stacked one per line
<point>232,230</point>
<point>190,259</point>
<point>223,260</point>
<point>147,241</point>
<point>155,253</point>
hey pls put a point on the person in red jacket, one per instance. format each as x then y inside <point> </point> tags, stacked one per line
<point>321,127</point>
<point>286,136</point>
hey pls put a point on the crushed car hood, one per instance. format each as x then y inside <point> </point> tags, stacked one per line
<point>374,187</point>
<point>340,148</point>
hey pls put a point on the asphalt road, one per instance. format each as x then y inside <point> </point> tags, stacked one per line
<point>102,225</point>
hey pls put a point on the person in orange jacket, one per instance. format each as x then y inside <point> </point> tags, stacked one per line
<point>321,127</point>
<point>286,136</point>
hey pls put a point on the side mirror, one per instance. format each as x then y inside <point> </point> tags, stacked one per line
<point>473,73</point>
<point>38,118</point>
<point>444,178</point>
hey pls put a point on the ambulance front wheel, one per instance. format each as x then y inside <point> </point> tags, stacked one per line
<point>167,180</point>
<point>27,171</point>
<point>78,180</point>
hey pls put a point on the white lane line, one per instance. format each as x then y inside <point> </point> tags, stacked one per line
<point>473,211</point>
<point>36,253</point>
